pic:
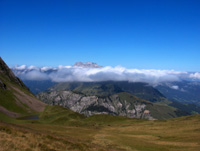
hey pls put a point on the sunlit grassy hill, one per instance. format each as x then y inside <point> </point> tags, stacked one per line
<point>61,129</point>
<point>15,98</point>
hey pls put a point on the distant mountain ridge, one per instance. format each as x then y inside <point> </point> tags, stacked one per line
<point>118,98</point>
<point>170,95</point>
<point>107,88</point>
<point>181,91</point>
<point>121,104</point>
<point>86,65</point>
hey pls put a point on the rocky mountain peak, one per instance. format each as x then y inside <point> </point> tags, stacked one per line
<point>5,70</point>
<point>86,65</point>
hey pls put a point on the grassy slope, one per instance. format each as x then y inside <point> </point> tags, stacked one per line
<point>107,88</point>
<point>8,99</point>
<point>62,129</point>
<point>89,88</point>
<point>60,115</point>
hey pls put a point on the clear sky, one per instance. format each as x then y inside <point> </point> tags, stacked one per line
<point>149,34</point>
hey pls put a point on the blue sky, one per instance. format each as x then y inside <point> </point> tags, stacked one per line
<point>149,34</point>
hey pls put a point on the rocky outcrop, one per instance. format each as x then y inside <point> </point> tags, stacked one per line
<point>86,65</point>
<point>90,105</point>
<point>4,69</point>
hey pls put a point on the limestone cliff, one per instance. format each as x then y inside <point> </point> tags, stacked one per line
<point>116,104</point>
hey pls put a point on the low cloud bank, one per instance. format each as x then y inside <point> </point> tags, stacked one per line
<point>195,75</point>
<point>118,73</point>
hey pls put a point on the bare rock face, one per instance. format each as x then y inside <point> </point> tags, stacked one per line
<point>90,105</point>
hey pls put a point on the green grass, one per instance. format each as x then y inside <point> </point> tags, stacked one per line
<point>62,116</point>
<point>131,98</point>
<point>8,100</point>
<point>59,115</point>
<point>60,129</point>
<point>6,118</point>
<point>160,111</point>
<point>88,88</point>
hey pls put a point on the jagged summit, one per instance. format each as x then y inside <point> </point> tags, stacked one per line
<point>87,65</point>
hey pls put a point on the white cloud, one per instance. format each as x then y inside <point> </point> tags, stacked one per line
<point>22,67</point>
<point>34,75</point>
<point>118,73</point>
<point>43,69</point>
<point>195,75</point>
<point>176,87</point>
<point>32,68</point>
<point>63,67</point>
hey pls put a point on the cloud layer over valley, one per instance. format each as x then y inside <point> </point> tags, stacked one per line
<point>118,73</point>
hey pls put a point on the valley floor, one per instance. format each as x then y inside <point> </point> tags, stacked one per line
<point>179,134</point>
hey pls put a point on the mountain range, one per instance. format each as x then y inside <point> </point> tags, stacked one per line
<point>181,91</point>
<point>165,100</point>
<point>165,108</point>
<point>26,123</point>
<point>172,99</point>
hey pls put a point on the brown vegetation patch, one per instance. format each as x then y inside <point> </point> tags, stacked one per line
<point>18,137</point>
